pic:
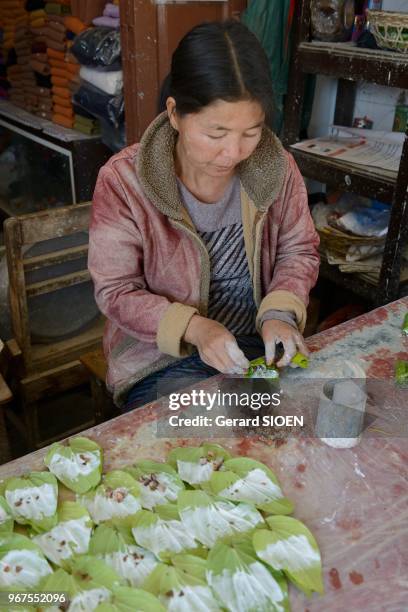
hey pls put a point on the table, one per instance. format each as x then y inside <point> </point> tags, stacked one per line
<point>355,501</point>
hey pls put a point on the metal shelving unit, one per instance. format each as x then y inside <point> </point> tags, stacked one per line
<point>351,64</point>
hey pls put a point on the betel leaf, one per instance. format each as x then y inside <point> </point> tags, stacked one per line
<point>196,464</point>
<point>133,563</point>
<point>180,591</point>
<point>32,500</point>
<point>126,599</point>
<point>78,466</point>
<point>246,480</point>
<point>290,547</point>
<point>58,582</point>
<point>159,483</point>
<point>244,584</point>
<point>6,517</point>
<point>209,520</point>
<point>69,537</point>
<point>300,360</point>
<point>258,368</point>
<point>95,581</point>
<point>191,564</point>
<point>22,564</point>
<point>117,497</point>
<point>162,533</point>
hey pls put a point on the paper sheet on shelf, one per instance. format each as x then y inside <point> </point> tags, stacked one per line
<point>358,146</point>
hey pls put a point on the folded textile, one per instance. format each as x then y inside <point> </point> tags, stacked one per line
<point>85,121</point>
<point>61,91</point>
<point>41,67</point>
<point>109,22</point>
<point>54,34</point>
<point>40,57</point>
<point>111,10</point>
<point>65,102</point>
<point>64,110</point>
<point>59,81</point>
<point>56,63</point>
<point>60,72</point>
<point>38,32</point>
<point>109,82</point>
<point>64,121</point>
<point>74,24</point>
<point>38,47</point>
<point>38,23</point>
<point>94,130</point>
<point>53,8</point>
<point>39,13</point>
<point>53,44</point>
<point>55,25</point>
<point>60,55</point>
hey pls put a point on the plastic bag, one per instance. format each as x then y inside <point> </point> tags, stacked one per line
<point>98,47</point>
<point>100,104</point>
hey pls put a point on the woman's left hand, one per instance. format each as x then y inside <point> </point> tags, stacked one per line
<point>273,332</point>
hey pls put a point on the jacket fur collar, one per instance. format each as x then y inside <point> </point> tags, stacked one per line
<point>262,174</point>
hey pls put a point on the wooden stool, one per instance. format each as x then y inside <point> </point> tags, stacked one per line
<point>96,365</point>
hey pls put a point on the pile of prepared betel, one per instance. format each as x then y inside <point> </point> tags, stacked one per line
<point>203,531</point>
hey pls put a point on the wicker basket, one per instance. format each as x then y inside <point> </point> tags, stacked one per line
<point>390,30</point>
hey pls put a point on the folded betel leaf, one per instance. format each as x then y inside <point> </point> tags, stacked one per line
<point>127,599</point>
<point>95,581</point>
<point>6,517</point>
<point>401,372</point>
<point>258,368</point>
<point>162,532</point>
<point>208,519</point>
<point>22,564</point>
<point>58,582</point>
<point>33,499</point>
<point>300,360</point>
<point>159,483</point>
<point>405,325</point>
<point>290,547</point>
<point>245,480</point>
<point>196,464</point>
<point>69,537</point>
<point>131,562</point>
<point>117,497</point>
<point>180,591</point>
<point>244,584</point>
<point>78,466</point>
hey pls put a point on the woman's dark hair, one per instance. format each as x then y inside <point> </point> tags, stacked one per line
<point>221,60</point>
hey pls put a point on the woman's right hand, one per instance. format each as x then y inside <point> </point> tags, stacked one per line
<point>217,347</point>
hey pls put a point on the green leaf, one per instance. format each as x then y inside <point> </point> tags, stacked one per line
<point>196,464</point>
<point>32,500</point>
<point>291,547</point>
<point>117,497</point>
<point>300,360</point>
<point>133,563</point>
<point>159,483</point>
<point>243,583</point>
<point>247,480</point>
<point>180,591</point>
<point>6,517</point>
<point>90,572</point>
<point>126,599</point>
<point>258,368</point>
<point>59,582</point>
<point>209,520</point>
<point>69,537</point>
<point>22,564</point>
<point>78,466</point>
<point>191,564</point>
<point>162,537</point>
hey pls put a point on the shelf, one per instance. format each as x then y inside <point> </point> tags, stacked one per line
<point>365,180</point>
<point>346,61</point>
<point>352,282</point>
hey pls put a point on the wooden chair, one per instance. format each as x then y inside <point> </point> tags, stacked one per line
<point>6,397</point>
<point>96,365</point>
<point>45,369</point>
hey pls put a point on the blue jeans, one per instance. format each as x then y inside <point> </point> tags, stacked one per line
<point>187,371</point>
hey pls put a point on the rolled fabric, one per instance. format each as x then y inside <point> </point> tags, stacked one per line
<point>109,82</point>
<point>74,24</point>
<point>61,91</point>
<point>39,13</point>
<point>56,63</point>
<point>59,81</point>
<point>109,22</point>
<point>60,55</point>
<point>60,72</point>
<point>41,67</point>
<point>53,44</point>
<point>64,110</point>
<point>64,121</point>
<point>65,102</point>
<point>55,34</point>
<point>37,23</point>
<point>111,10</point>
<point>52,22</point>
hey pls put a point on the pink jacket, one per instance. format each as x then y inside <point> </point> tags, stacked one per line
<point>151,269</point>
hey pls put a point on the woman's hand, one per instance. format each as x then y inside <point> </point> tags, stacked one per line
<point>217,347</point>
<point>273,332</point>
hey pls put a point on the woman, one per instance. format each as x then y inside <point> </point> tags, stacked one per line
<point>202,248</point>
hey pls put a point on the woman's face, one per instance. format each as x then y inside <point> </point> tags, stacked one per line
<point>220,136</point>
